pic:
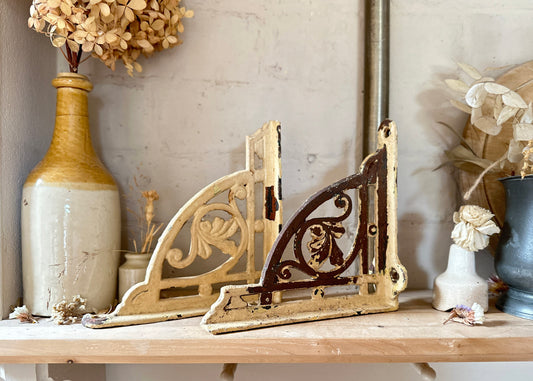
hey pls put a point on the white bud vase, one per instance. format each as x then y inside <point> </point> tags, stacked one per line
<point>132,271</point>
<point>460,284</point>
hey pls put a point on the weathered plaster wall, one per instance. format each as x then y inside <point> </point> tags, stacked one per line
<point>181,123</point>
<point>26,121</point>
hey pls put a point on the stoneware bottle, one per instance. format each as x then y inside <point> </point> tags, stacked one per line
<point>460,284</point>
<point>132,271</point>
<point>70,213</point>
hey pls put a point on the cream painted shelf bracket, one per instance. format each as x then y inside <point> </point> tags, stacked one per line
<point>328,277</point>
<point>223,224</point>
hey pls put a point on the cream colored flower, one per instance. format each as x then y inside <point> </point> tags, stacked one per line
<point>473,227</point>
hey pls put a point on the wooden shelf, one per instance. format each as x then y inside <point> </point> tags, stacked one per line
<point>413,334</point>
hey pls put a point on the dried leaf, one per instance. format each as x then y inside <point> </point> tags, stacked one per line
<point>495,88</point>
<point>523,132</point>
<point>484,80</point>
<point>476,95</point>
<point>513,99</point>
<point>488,125</point>
<point>461,106</point>
<point>457,85</point>
<point>470,70</point>
<point>507,113</point>
<point>462,156</point>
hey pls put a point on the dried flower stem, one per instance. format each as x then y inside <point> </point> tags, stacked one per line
<point>73,59</point>
<point>148,229</point>
<point>468,194</point>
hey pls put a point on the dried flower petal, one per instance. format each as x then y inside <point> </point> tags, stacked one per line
<point>507,113</point>
<point>475,96</point>
<point>495,88</point>
<point>513,99</point>
<point>22,314</point>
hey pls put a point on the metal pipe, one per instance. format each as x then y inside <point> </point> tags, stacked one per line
<point>376,72</point>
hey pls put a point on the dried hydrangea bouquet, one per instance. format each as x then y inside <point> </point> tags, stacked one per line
<point>109,30</point>
<point>71,229</point>
<point>460,284</point>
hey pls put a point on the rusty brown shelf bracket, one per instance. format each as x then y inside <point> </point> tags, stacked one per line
<point>322,280</point>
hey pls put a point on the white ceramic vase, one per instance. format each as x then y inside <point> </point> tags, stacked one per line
<point>70,213</point>
<point>460,284</point>
<point>132,271</point>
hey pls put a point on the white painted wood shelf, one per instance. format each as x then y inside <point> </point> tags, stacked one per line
<point>413,334</point>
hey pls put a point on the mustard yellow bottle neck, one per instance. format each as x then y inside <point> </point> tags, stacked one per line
<point>71,157</point>
<point>72,139</point>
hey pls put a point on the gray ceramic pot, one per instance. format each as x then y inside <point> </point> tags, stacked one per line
<point>514,256</point>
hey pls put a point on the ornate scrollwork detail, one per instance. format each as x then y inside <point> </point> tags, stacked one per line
<point>206,234</point>
<point>322,246</point>
<point>218,234</point>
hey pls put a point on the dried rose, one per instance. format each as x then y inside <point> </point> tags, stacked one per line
<point>473,227</point>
